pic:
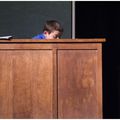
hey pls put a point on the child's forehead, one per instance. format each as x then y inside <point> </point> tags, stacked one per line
<point>55,32</point>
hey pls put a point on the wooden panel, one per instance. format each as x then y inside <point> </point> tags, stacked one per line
<point>77,91</point>
<point>51,78</point>
<point>26,46</point>
<point>6,86</point>
<point>26,84</point>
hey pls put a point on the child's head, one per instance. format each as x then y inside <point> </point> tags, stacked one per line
<point>52,29</point>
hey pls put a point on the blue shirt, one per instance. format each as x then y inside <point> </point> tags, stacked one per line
<point>39,36</point>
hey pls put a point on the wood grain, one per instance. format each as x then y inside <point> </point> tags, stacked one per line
<point>84,40</point>
<point>51,78</point>
<point>77,84</point>
<point>27,76</point>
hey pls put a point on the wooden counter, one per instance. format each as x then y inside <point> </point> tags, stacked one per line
<point>51,78</point>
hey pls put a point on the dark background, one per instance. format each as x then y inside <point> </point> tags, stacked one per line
<point>102,20</point>
<point>25,19</point>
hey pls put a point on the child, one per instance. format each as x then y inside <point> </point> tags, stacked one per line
<point>52,30</point>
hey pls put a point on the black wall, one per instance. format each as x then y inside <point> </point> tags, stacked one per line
<point>24,19</point>
<point>102,19</point>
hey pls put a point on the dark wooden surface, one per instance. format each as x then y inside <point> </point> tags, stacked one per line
<point>57,79</point>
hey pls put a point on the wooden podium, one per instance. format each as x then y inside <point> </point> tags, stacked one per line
<point>51,78</point>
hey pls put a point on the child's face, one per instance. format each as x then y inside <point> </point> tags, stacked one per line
<point>52,35</point>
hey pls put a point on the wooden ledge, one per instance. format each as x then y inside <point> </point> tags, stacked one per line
<point>82,40</point>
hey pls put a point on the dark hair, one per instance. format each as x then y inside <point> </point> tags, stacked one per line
<point>52,25</point>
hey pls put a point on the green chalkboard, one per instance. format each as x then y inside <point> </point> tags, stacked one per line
<point>24,19</point>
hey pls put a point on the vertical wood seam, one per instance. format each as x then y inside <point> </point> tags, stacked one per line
<point>55,84</point>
